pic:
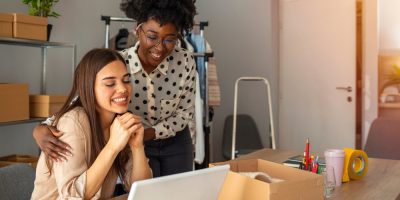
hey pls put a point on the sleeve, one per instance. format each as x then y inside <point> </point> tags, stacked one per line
<point>185,109</point>
<point>70,175</point>
<point>128,173</point>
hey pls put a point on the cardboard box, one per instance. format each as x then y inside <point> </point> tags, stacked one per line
<point>296,184</point>
<point>45,105</point>
<point>6,20</point>
<point>14,102</point>
<point>14,158</point>
<point>29,27</point>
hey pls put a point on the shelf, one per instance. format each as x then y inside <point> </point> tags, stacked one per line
<point>389,105</point>
<point>44,46</point>
<point>33,43</point>
<point>33,120</point>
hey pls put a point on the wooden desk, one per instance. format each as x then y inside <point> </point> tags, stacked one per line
<point>381,182</point>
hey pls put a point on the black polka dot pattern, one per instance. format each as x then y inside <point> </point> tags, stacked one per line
<point>165,97</point>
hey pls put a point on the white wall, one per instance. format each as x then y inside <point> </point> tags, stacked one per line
<point>243,35</point>
<point>80,24</point>
<point>389,26</point>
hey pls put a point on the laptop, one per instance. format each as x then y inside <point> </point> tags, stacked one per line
<point>203,184</point>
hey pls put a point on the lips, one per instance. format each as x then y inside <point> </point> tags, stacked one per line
<point>121,101</point>
<point>156,56</point>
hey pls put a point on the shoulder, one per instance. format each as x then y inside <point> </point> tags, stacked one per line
<point>179,51</point>
<point>75,121</point>
<point>180,56</point>
<point>77,114</point>
<point>129,52</point>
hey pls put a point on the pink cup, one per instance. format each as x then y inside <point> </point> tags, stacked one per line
<point>335,158</point>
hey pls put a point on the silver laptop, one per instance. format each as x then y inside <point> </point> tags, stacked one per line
<point>203,184</point>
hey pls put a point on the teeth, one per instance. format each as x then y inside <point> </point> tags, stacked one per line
<point>156,55</point>
<point>119,99</point>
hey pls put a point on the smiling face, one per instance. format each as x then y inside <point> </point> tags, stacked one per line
<point>113,89</point>
<point>156,43</point>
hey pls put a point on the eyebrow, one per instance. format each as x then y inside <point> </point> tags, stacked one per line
<point>170,34</point>
<point>113,77</point>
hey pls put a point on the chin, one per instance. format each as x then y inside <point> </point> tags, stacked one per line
<point>121,111</point>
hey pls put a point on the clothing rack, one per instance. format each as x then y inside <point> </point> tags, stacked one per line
<point>206,55</point>
<point>107,20</point>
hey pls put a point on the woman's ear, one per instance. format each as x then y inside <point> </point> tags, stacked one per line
<point>137,32</point>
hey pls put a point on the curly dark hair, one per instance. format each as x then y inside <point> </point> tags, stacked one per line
<point>178,12</point>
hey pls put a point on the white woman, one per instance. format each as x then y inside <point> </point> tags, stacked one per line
<point>106,141</point>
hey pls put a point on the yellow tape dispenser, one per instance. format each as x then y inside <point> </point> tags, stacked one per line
<point>355,164</point>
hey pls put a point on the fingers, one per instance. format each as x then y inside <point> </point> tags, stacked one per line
<point>56,149</point>
<point>129,121</point>
<point>135,128</point>
<point>54,155</point>
<point>65,148</point>
<point>128,116</point>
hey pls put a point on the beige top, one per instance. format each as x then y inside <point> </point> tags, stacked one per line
<point>68,178</point>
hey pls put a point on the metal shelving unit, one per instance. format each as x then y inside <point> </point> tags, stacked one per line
<point>44,46</point>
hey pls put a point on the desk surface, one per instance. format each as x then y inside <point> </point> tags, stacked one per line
<point>382,180</point>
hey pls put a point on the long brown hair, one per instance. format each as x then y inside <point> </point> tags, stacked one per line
<point>82,95</point>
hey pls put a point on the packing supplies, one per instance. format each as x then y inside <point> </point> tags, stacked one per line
<point>355,164</point>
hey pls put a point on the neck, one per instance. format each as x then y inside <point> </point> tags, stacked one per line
<point>146,67</point>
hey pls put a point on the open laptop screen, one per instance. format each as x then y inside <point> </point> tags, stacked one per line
<point>201,184</point>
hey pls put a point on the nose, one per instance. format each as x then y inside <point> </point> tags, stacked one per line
<point>122,88</point>
<point>159,46</point>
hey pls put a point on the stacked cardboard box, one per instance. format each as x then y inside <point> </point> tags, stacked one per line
<point>45,105</point>
<point>6,20</point>
<point>29,27</point>
<point>23,26</point>
<point>14,102</point>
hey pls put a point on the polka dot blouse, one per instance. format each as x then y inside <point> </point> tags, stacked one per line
<point>165,97</point>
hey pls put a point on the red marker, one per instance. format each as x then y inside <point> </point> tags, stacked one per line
<point>307,154</point>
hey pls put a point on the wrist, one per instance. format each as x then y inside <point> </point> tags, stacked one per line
<point>109,149</point>
<point>137,148</point>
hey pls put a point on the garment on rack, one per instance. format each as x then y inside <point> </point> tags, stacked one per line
<point>123,40</point>
<point>214,92</point>
<point>199,46</point>
<point>197,125</point>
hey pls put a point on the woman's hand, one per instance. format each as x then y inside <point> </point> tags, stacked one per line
<point>136,140</point>
<point>47,139</point>
<point>121,130</point>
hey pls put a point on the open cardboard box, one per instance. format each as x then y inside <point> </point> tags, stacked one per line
<point>297,184</point>
<point>16,158</point>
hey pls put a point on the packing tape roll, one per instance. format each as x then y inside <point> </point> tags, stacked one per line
<point>355,164</point>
